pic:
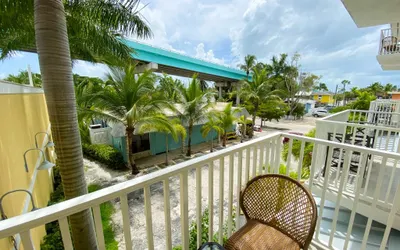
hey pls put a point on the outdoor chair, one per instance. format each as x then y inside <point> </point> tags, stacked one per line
<point>280,213</point>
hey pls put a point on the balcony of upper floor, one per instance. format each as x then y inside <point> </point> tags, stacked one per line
<point>366,13</point>
<point>389,48</point>
<point>357,195</point>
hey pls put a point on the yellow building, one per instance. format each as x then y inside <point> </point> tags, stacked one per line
<point>323,97</point>
<point>23,113</point>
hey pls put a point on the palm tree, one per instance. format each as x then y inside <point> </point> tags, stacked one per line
<point>226,118</point>
<point>168,87</point>
<point>50,31</point>
<point>212,124</point>
<point>243,121</point>
<point>195,104</point>
<point>129,99</point>
<point>176,130</point>
<point>23,78</point>
<point>249,63</point>
<point>389,88</point>
<point>344,83</point>
<point>95,28</point>
<point>258,90</point>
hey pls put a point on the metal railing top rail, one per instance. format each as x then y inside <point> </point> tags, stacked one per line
<point>45,215</point>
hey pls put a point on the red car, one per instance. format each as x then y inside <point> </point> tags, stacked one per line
<point>286,140</point>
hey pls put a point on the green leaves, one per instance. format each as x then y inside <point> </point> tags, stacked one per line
<point>95,28</point>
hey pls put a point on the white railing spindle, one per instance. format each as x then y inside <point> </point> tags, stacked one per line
<point>126,221</point>
<point>26,240</point>
<point>99,227</point>
<point>184,209</point>
<point>211,200</point>
<point>230,193</point>
<point>198,206</point>
<point>167,215</point>
<point>149,219</point>
<point>221,200</point>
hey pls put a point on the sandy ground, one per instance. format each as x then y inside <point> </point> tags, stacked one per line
<point>97,173</point>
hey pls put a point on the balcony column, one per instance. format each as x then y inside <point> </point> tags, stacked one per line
<point>220,85</point>
<point>237,94</point>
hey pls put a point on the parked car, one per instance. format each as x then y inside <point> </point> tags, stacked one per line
<point>320,113</point>
<point>286,140</point>
<point>257,128</point>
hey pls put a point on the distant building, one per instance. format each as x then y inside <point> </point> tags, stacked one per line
<point>394,95</point>
<point>323,97</point>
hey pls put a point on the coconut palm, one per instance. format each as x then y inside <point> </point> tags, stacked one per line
<point>194,105</point>
<point>129,99</point>
<point>258,90</point>
<point>249,62</point>
<point>243,121</point>
<point>212,124</point>
<point>344,83</point>
<point>226,118</point>
<point>95,28</point>
<point>176,130</point>
<point>50,32</point>
<point>23,78</point>
<point>168,87</point>
<point>203,85</point>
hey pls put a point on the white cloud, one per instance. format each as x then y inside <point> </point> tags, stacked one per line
<point>89,69</point>
<point>201,53</point>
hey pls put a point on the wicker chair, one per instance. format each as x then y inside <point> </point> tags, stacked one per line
<point>280,213</point>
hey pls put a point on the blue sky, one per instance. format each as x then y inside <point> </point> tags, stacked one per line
<point>224,31</point>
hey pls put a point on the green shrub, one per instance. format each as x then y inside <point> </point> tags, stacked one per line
<point>53,240</point>
<point>105,154</point>
<point>339,109</point>
<point>308,148</point>
<point>305,173</point>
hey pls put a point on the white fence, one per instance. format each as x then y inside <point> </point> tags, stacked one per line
<point>215,181</point>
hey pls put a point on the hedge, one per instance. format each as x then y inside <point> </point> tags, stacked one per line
<point>53,240</point>
<point>105,154</point>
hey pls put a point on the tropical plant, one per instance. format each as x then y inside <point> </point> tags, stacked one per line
<point>175,129</point>
<point>321,87</point>
<point>95,28</point>
<point>272,110</point>
<point>168,87</point>
<point>226,118</point>
<point>344,83</point>
<point>23,78</point>
<point>257,91</point>
<point>194,104</point>
<point>129,99</point>
<point>243,121</point>
<point>363,101</point>
<point>249,62</point>
<point>212,124</point>
<point>49,29</point>
<point>389,88</point>
<point>203,85</point>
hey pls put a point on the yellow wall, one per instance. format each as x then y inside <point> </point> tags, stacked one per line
<point>22,116</point>
<point>328,99</point>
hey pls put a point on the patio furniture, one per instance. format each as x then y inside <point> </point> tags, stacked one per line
<point>211,246</point>
<point>280,213</point>
<point>389,44</point>
<point>338,155</point>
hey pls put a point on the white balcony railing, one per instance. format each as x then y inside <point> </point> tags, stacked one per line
<point>215,181</point>
<point>389,42</point>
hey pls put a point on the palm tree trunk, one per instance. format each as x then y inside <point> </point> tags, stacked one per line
<point>131,160</point>
<point>189,149</point>
<point>166,149</point>
<point>224,140</point>
<point>56,68</point>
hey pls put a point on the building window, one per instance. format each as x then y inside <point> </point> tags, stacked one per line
<point>319,97</point>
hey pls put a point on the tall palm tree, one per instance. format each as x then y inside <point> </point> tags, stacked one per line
<point>129,99</point>
<point>94,27</point>
<point>52,45</point>
<point>195,104</point>
<point>249,62</point>
<point>212,124</point>
<point>176,130</point>
<point>389,88</point>
<point>258,90</point>
<point>226,119</point>
<point>344,83</point>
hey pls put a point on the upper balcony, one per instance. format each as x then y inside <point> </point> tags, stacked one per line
<point>366,13</point>
<point>357,200</point>
<point>389,49</point>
